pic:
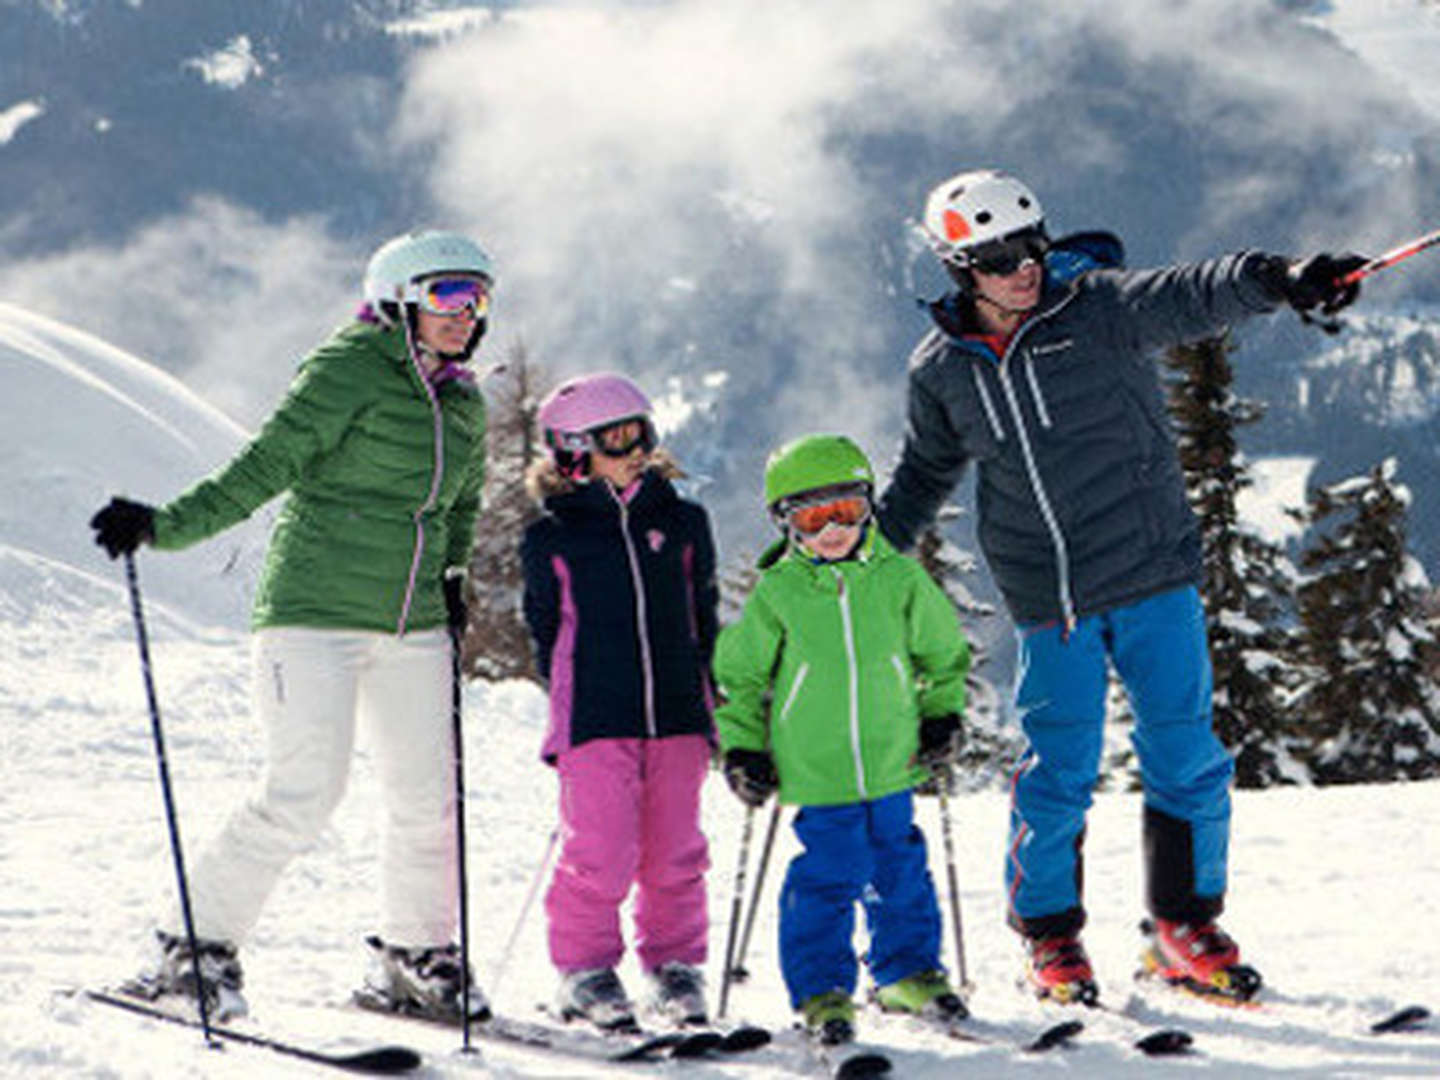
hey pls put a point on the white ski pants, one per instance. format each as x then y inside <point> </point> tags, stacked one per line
<point>309,687</point>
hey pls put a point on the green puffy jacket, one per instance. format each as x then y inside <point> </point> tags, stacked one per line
<point>831,667</point>
<point>384,474</point>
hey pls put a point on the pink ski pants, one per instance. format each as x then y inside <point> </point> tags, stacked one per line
<point>630,814</point>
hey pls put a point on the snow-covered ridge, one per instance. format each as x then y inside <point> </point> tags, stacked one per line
<point>84,420</point>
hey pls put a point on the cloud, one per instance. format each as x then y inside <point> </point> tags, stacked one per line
<point>215,293</point>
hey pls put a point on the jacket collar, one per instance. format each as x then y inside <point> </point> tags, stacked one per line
<point>596,498</point>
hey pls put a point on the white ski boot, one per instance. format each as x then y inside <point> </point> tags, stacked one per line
<point>423,981</point>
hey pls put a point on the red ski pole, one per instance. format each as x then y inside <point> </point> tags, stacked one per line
<point>1391,257</point>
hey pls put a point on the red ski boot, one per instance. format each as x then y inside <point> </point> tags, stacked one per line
<point>1201,958</point>
<point>1058,970</point>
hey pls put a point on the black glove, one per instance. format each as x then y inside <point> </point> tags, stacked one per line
<point>751,775</point>
<point>941,738</point>
<point>121,526</point>
<point>1315,282</point>
<point>457,612</point>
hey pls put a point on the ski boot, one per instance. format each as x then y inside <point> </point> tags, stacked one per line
<point>1058,970</point>
<point>679,993</point>
<point>422,982</point>
<point>173,972</point>
<point>596,995</point>
<point>926,994</point>
<point>829,1017</point>
<point>1202,959</point>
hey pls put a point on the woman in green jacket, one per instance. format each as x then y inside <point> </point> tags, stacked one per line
<point>379,445</point>
<point>842,686</point>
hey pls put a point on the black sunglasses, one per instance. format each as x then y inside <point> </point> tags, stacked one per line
<point>1002,257</point>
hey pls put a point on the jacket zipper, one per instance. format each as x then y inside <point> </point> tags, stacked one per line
<point>794,691</point>
<point>848,626</point>
<point>642,627</point>
<point>988,405</point>
<point>1032,469</point>
<point>1040,408</point>
<point>899,667</point>
<point>437,416</point>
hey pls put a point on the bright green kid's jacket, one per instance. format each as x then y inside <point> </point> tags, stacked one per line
<point>831,668</point>
<point>383,473</point>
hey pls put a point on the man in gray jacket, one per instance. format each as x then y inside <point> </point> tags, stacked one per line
<point>1041,369</point>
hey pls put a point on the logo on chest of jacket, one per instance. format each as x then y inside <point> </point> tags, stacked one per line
<point>656,539</point>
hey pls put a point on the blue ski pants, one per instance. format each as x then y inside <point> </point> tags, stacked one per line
<point>1158,648</point>
<point>871,852</point>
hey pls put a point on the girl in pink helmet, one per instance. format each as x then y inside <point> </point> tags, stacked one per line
<point>620,597</point>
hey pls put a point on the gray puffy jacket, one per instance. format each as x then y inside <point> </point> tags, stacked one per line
<point>1081,501</point>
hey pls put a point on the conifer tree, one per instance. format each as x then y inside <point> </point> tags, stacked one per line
<point>1373,712</point>
<point>991,748</point>
<point>1248,582</point>
<point>497,643</point>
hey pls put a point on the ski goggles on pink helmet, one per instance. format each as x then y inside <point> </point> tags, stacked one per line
<point>616,440</point>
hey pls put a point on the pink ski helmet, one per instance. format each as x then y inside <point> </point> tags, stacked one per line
<point>577,408</point>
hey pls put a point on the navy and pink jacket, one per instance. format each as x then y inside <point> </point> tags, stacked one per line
<point>620,598</point>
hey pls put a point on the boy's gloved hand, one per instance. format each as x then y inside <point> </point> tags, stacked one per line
<point>121,526</point>
<point>457,612</point>
<point>1314,282</point>
<point>941,739</point>
<point>751,775</point>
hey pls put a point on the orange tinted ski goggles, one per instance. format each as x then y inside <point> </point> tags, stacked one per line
<point>811,518</point>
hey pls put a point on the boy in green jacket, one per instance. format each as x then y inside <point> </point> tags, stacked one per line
<point>841,687</point>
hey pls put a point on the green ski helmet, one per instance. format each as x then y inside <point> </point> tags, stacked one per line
<point>815,464</point>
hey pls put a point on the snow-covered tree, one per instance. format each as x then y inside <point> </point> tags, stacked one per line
<point>1373,710</point>
<point>991,749</point>
<point>497,644</point>
<point>1248,581</point>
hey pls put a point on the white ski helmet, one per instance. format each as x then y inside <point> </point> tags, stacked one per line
<point>974,208</point>
<point>398,264</point>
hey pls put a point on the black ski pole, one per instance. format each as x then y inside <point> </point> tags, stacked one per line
<point>726,975</point>
<point>942,783</point>
<point>171,819</point>
<point>738,971</point>
<point>464,879</point>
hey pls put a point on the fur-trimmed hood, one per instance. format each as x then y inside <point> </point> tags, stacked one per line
<point>544,479</point>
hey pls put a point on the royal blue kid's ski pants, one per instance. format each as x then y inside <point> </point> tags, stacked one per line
<point>871,852</point>
<point>1158,648</point>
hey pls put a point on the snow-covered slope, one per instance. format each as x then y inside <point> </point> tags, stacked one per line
<point>1332,895</point>
<point>82,421</point>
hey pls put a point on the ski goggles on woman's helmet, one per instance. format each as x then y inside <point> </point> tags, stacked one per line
<point>1003,257</point>
<point>810,518</point>
<point>454,295</point>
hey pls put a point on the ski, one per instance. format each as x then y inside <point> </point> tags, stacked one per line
<point>1410,1018</point>
<point>1404,1020</point>
<point>376,1060</point>
<point>629,1046</point>
<point>1155,1042</point>
<point>969,1029</point>
<point>846,1061</point>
